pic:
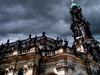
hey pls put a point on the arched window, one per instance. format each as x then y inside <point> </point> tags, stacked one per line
<point>21,71</point>
<point>2,73</point>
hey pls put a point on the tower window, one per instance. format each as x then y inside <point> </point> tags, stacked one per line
<point>21,71</point>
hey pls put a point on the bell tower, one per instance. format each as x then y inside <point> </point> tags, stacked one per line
<point>83,43</point>
<point>83,40</point>
<point>79,25</point>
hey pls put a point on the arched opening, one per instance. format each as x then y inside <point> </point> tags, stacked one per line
<point>21,71</point>
<point>3,71</point>
<point>51,74</point>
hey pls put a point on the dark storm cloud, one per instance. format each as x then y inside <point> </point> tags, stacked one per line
<point>22,17</point>
<point>16,16</point>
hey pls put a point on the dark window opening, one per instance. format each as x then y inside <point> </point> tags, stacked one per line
<point>21,71</point>
<point>2,73</point>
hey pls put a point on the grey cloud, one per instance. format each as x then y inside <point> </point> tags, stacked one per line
<point>22,17</point>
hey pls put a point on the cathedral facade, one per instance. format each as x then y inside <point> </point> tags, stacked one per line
<point>46,56</point>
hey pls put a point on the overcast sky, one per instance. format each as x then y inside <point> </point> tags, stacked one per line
<point>19,18</point>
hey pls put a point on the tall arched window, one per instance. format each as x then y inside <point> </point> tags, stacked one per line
<point>2,73</point>
<point>21,71</point>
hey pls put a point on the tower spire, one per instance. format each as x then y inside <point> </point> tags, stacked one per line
<point>73,4</point>
<point>72,1</point>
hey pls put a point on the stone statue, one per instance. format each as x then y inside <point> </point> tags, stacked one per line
<point>30,36</point>
<point>8,41</point>
<point>43,34</point>
<point>66,42</point>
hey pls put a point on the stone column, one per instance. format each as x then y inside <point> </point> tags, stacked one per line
<point>66,71</point>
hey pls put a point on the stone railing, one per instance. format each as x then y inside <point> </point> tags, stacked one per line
<point>21,44</point>
<point>61,66</point>
<point>56,52</point>
<point>17,52</point>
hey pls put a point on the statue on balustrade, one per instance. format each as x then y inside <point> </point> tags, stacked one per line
<point>61,41</point>
<point>35,39</point>
<point>29,40</point>
<point>57,42</point>
<point>2,46</point>
<point>43,36</point>
<point>66,42</point>
<point>7,44</point>
<point>30,36</point>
